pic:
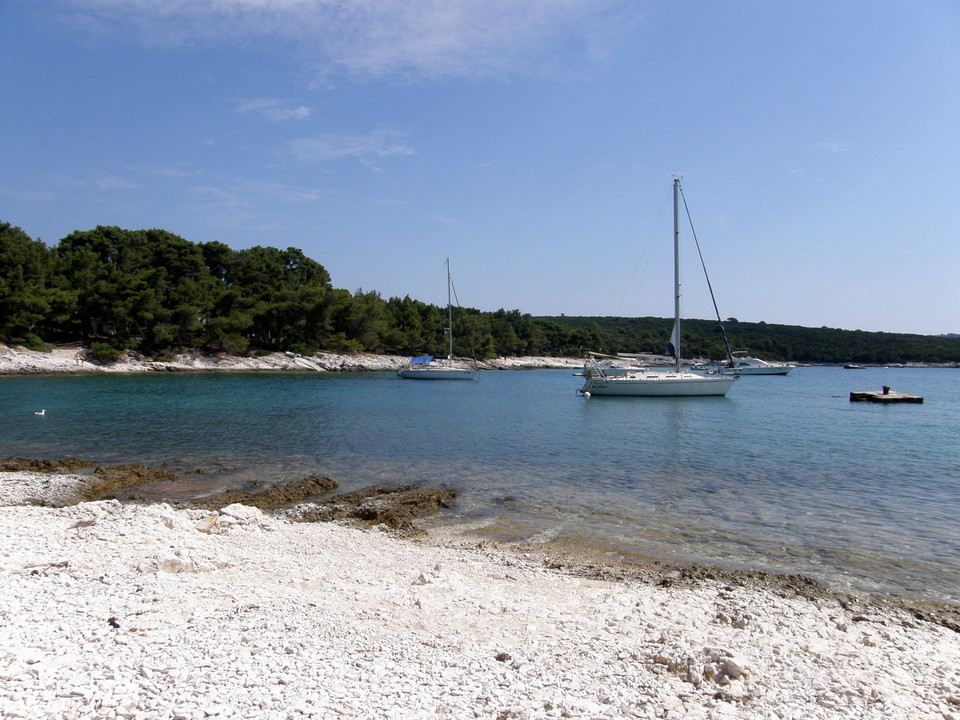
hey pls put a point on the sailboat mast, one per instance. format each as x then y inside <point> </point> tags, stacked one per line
<point>676,270</point>
<point>449,315</point>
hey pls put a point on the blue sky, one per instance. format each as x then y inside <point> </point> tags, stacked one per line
<point>534,143</point>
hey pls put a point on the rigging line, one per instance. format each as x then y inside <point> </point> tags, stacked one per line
<point>463,324</point>
<point>703,264</point>
<point>643,252</point>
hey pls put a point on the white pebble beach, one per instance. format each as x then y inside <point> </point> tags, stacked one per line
<point>140,611</point>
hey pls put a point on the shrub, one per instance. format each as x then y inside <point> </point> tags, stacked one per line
<point>103,352</point>
<point>300,349</point>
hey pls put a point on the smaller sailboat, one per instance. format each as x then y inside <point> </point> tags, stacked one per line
<point>649,382</point>
<point>426,367</point>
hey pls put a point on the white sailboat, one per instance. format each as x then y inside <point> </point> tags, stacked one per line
<point>650,382</point>
<point>425,367</point>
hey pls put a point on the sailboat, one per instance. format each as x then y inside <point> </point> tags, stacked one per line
<point>425,367</point>
<point>651,382</point>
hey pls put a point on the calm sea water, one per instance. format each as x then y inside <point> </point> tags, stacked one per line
<point>784,474</point>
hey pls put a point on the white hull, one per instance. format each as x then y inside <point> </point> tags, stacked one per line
<point>609,372</point>
<point>659,384</point>
<point>436,373</point>
<point>755,366</point>
<point>768,370</point>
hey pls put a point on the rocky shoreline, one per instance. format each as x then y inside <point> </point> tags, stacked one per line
<point>74,359</point>
<point>146,610</point>
<point>18,360</point>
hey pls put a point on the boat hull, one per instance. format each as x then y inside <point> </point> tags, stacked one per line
<point>743,365</point>
<point>437,374</point>
<point>768,370</point>
<point>659,384</point>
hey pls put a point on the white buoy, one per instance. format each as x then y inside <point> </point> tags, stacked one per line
<point>40,412</point>
<point>587,394</point>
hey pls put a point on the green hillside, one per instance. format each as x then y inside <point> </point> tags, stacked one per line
<point>153,291</point>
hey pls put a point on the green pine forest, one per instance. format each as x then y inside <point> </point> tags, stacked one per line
<point>154,292</point>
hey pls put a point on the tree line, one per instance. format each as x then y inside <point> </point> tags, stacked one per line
<point>157,293</point>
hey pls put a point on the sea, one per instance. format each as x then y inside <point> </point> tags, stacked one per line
<point>783,475</point>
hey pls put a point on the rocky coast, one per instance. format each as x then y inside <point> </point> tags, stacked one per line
<point>21,361</point>
<point>128,610</point>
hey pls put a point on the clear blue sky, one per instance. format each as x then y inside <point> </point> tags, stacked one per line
<point>531,142</point>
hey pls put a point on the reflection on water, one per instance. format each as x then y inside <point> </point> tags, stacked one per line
<point>783,474</point>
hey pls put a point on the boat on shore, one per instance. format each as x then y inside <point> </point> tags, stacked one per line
<point>744,364</point>
<point>651,382</point>
<point>426,367</point>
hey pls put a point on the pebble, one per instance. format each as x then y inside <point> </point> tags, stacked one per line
<point>147,611</point>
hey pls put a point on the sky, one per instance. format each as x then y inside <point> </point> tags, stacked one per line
<point>532,142</point>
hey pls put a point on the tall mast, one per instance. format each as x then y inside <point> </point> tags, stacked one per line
<point>676,269</point>
<point>449,315</point>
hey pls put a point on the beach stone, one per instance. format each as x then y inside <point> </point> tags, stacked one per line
<point>275,619</point>
<point>241,513</point>
<point>732,668</point>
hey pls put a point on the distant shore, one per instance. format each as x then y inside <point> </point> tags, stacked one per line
<point>74,359</point>
<point>147,610</point>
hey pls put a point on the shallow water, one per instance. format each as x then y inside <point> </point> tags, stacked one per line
<point>784,474</point>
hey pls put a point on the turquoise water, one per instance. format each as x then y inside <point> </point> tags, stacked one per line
<point>784,474</point>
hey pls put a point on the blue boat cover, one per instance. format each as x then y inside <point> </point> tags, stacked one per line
<point>421,359</point>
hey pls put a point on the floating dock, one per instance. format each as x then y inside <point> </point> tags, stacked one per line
<point>886,396</point>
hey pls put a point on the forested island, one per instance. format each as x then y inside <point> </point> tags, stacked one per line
<point>152,291</point>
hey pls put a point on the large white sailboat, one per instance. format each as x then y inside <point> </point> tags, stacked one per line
<point>651,382</point>
<point>425,367</point>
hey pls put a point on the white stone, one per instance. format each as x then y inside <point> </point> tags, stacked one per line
<point>271,616</point>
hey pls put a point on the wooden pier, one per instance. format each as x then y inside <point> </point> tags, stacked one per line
<point>886,396</point>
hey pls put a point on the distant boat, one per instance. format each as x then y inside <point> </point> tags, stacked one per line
<point>743,364</point>
<point>649,382</point>
<point>425,367</point>
<point>854,366</point>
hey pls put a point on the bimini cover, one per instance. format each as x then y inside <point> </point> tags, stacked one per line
<point>421,359</point>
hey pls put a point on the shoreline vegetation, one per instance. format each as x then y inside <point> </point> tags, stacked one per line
<point>224,609</point>
<point>117,290</point>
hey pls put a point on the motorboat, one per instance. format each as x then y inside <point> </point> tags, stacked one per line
<point>744,364</point>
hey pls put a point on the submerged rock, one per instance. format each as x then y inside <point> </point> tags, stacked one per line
<point>395,507</point>
<point>274,497</point>
<point>15,464</point>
